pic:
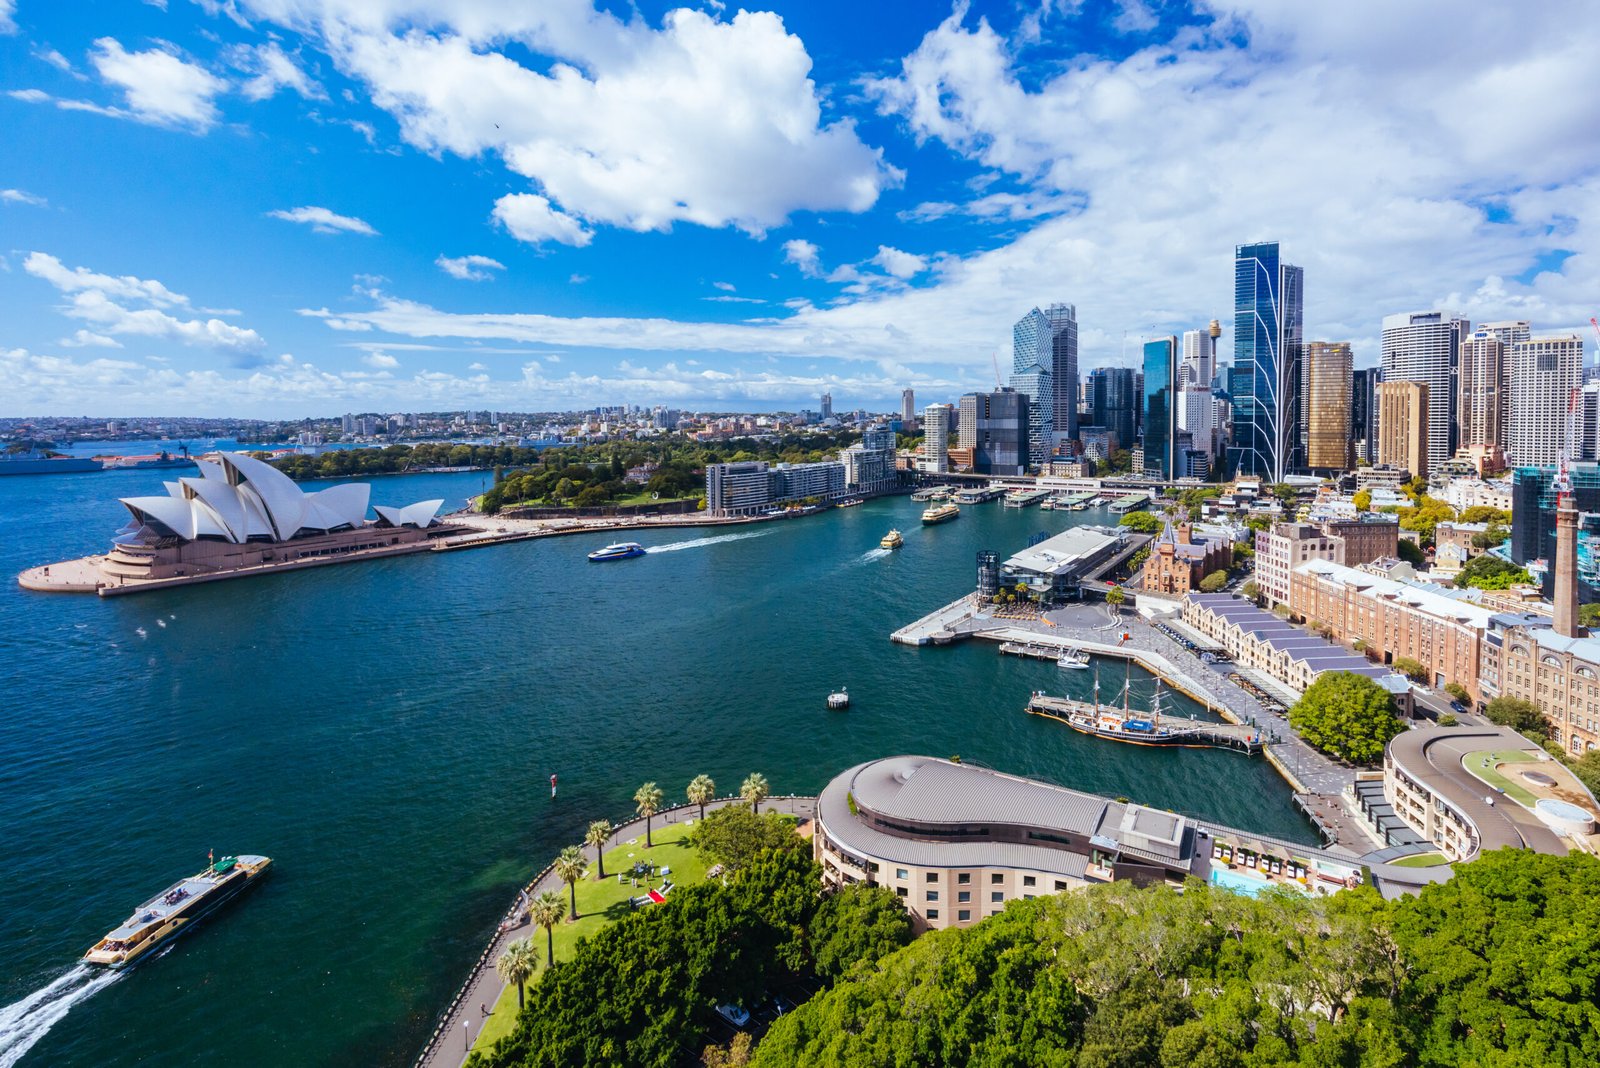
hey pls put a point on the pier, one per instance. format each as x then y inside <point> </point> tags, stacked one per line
<point>1189,734</point>
<point>1131,502</point>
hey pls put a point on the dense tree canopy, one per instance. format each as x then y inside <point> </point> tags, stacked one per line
<point>1143,522</point>
<point>1347,715</point>
<point>733,835</point>
<point>855,927</point>
<point>1518,714</point>
<point>1491,573</point>
<point>1412,668</point>
<point>1214,582</point>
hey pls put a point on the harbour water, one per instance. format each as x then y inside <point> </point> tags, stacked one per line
<point>386,732</point>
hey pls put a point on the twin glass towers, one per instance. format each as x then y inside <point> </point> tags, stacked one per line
<point>1268,353</point>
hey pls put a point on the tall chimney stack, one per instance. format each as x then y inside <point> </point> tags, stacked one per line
<point>1566,593</point>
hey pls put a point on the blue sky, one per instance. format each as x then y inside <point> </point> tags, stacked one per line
<point>293,207</point>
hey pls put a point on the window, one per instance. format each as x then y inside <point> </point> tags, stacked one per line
<point>998,895</point>
<point>964,914</point>
<point>996,879</point>
<point>1028,880</point>
<point>901,891</point>
<point>933,914</point>
<point>964,878</point>
<point>933,877</point>
<point>933,895</point>
<point>964,896</point>
<point>901,873</point>
<point>1061,884</point>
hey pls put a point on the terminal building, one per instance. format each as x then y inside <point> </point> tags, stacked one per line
<point>957,842</point>
<point>1054,567</point>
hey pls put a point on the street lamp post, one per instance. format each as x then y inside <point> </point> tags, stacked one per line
<point>466,1033</point>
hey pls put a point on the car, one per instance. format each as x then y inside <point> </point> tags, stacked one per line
<point>1458,706</point>
<point>734,1015</point>
<point>782,1004</point>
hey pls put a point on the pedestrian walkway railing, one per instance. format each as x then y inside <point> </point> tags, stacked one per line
<point>447,1019</point>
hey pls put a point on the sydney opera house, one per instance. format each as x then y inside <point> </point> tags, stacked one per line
<point>237,515</point>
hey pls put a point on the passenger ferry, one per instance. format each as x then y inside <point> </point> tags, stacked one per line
<point>941,513</point>
<point>622,550</point>
<point>892,540</point>
<point>176,909</point>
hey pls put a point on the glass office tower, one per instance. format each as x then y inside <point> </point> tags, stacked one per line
<point>1268,323</point>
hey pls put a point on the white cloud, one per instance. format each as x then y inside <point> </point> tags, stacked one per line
<point>900,264</point>
<point>60,62</point>
<point>380,360</point>
<point>104,302</point>
<point>324,221</point>
<point>8,8</point>
<point>702,120</point>
<point>728,298</point>
<point>469,268</point>
<point>18,196</point>
<point>804,255</point>
<point>160,88</point>
<point>531,218</point>
<point>726,287</point>
<point>272,69</point>
<point>88,339</point>
<point>29,96</point>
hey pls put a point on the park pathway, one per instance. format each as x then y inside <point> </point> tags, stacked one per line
<point>457,1028</point>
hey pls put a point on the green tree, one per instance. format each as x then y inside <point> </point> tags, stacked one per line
<point>1518,714</point>
<point>733,836</point>
<point>702,788</point>
<point>1491,573</point>
<point>1483,513</point>
<point>1412,554</point>
<point>517,965</point>
<point>1488,539</point>
<point>547,910</point>
<point>1142,522</point>
<point>1587,769</point>
<point>1362,500</point>
<point>595,836</point>
<point>755,790</point>
<point>1346,715</point>
<point>736,1054</point>
<point>856,927</point>
<point>1214,582</point>
<point>1251,591</point>
<point>1449,719</point>
<point>1457,692</point>
<point>1115,596</point>
<point>571,866</point>
<point>1413,669</point>
<point>647,802</point>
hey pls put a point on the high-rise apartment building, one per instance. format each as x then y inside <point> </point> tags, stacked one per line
<point>1542,373</point>
<point>827,406</point>
<point>936,438</point>
<point>1403,416</point>
<point>1364,413</point>
<point>1424,347</point>
<point>1160,422</point>
<point>908,408</point>
<point>1044,365</point>
<point>1268,316</point>
<point>1327,405</point>
<point>998,431</point>
<point>1481,377</point>
<point>1114,402</point>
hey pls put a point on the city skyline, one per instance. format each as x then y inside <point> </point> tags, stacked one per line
<point>349,235</point>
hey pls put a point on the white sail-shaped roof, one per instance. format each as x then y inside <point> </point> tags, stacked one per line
<point>237,497</point>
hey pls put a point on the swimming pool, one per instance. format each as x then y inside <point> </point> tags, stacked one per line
<point>1238,882</point>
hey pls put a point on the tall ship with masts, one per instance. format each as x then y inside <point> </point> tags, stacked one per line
<point>1122,723</point>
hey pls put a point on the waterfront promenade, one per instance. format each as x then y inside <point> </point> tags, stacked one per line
<point>1323,788</point>
<point>456,1030</point>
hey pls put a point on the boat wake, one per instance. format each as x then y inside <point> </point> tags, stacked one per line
<point>875,554</point>
<point>25,1022</point>
<point>695,543</point>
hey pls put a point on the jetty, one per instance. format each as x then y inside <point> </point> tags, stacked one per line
<point>1022,498</point>
<point>1132,502</point>
<point>1184,733</point>
<point>975,495</point>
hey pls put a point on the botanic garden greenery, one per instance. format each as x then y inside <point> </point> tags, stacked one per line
<point>1497,967</point>
<point>1347,715</point>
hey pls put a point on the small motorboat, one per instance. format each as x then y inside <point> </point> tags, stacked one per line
<point>623,550</point>
<point>891,540</point>
<point>1072,658</point>
<point>839,700</point>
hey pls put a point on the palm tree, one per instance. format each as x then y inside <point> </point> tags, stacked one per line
<point>596,836</point>
<point>648,798</point>
<point>517,965</point>
<point>701,790</point>
<point>570,867</point>
<point>755,790</point>
<point>546,911</point>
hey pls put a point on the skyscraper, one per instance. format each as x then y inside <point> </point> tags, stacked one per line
<point>1114,402</point>
<point>1364,413</point>
<point>1327,404</point>
<point>1480,406</point>
<point>1543,373</point>
<point>1044,345</point>
<point>1424,347</point>
<point>908,407</point>
<point>936,438</point>
<point>827,406</point>
<point>1268,314</point>
<point>1160,390</point>
<point>997,425</point>
<point>1403,414</point>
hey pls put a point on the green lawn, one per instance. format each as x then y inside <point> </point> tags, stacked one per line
<point>1482,765</point>
<point>599,903</point>
<point>1422,860</point>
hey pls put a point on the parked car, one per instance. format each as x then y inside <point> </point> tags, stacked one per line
<point>733,1014</point>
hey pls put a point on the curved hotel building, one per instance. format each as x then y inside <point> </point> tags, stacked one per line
<point>956,842</point>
